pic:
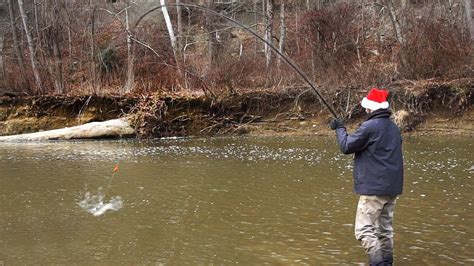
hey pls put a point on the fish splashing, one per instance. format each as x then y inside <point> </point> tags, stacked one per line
<point>96,205</point>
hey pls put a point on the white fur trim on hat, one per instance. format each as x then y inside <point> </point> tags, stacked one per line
<point>373,105</point>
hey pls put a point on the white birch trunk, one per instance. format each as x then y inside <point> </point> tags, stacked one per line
<point>169,27</point>
<point>111,128</point>
<point>130,56</point>
<point>268,31</point>
<point>31,48</point>
<point>282,31</point>
<point>92,47</point>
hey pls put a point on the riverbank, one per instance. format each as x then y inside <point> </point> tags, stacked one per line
<point>421,108</point>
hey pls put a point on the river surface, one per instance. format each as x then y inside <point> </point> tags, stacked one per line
<point>248,200</point>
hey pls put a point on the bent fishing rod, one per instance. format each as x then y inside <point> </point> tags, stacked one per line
<point>285,58</point>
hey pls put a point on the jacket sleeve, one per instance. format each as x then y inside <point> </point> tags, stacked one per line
<point>355,142</point>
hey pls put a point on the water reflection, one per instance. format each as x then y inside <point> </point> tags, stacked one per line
<point>224,201</point>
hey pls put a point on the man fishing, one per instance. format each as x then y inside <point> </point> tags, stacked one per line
<point>378,174</point>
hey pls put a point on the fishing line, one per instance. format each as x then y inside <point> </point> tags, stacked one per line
<point>116,168</point>
<point>285,58</point>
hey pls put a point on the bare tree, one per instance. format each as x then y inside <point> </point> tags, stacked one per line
<point>211,35</point>
<point>179,14</point>
<point>469,22</point>
<point>16,44</point>
<point>2,67</point>
<point>69,32</point>
<point>92,46</point>
<point>53,32</point>
<point>35,7</point>
<point>319,4</point>
<point>268,29</point>
<point>130,55</point>
<point>405,3</point>
<point>31,48</point>
<point>57,32</point>
<point>255,10</point>
<point>395,21</point>
<point>282,31</point>
<point>169,27</point>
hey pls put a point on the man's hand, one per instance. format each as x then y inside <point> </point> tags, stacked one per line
<point>336,123</point>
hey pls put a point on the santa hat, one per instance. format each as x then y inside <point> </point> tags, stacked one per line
<point>376,99</point>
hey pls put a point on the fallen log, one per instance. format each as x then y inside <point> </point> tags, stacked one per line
<point>110,128</point>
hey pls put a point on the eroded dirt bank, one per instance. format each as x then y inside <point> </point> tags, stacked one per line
<point>428,108</point>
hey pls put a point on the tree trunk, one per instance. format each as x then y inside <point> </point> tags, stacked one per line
<point>269,30</point>
<point>58,66</point>
<point>255,9</point>
<point>92,47</point>
<point>396,22</point>
<point>2,67</point>
<point>130,56</point>
<point>94,130</point>
<point>469,22</point>
<point>405,3</point>
<point>179,38</point>
<point>282,31</point>
<point>35,3</point>
<point>16,44</point>
<point>58,62</point>
<point>69,35</point>
<point>297,27</point>
<point>211,35</point>
<point>169,27</point>
<point>31,48</point>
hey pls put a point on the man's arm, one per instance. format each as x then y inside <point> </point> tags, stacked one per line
<point>355,142</point>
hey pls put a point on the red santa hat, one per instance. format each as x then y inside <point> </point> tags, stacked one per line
<point>376,99</point>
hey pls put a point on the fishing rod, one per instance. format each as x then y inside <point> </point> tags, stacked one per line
<point>285,58</point>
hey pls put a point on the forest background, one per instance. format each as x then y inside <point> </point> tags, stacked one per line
<point>114,47</point>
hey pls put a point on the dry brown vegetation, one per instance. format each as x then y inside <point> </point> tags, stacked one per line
<point>336,43</point>
<point>87,48</point>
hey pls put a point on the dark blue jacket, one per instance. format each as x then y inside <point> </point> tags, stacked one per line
<point>378,160</point>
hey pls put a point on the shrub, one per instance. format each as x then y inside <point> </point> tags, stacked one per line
<point>436,47</point>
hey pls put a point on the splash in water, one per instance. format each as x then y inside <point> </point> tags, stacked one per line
<point>96,205</point>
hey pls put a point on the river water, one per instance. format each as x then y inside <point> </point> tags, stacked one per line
<point>246,200</point>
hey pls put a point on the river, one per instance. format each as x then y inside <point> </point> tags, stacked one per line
<point>242,200</point>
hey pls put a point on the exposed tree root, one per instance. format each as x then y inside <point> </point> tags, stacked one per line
<point>292,111</point>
